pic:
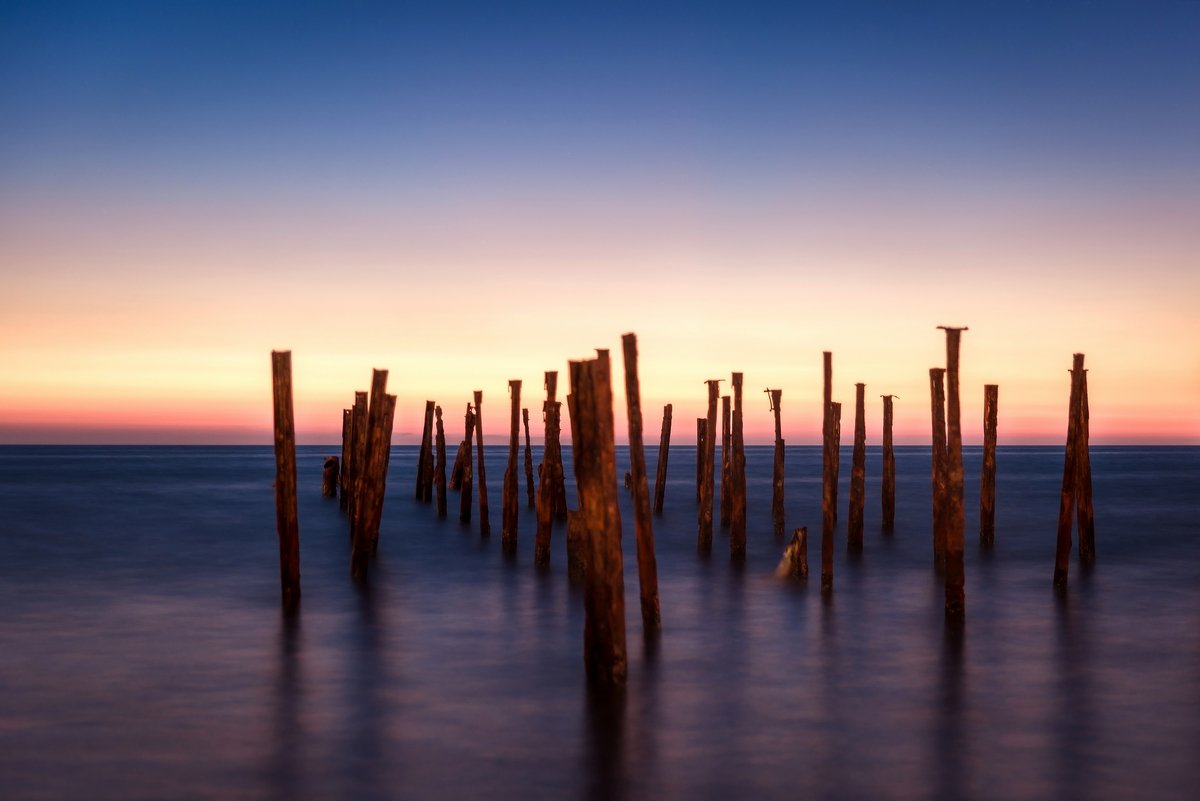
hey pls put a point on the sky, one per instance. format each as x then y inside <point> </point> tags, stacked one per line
<point>467,193</point>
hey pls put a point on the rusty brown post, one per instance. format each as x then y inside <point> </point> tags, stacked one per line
<point>456,471</point>
<point>664,449</point>
<point>937,401</point>
<point>1070,483</point>
<point>374,475</point>
<point>576,544</point>
<point>1083,493</point>
<point>359,457</point>
<point>508,503</point>
<point>287,522</point>
<point>888,494</point>
<point>545,498</point>
<point>485,525</point>
<point>329,477</point>
<point>707,486</point>
<point>701,436</point>
<point>828,497</point>
<point>529,496</point>
<point>468,472</point>
<point>956,599</point>
<point>439,470</point>
<point>794,564</point>
<point>775,399</point>
<point>425,456</point>
<point>737,479</point>
<point>858,472</point>
<point>643,525</point>
<point>345,467</point>
<point>726,462</point>
<point>596,480</point>
<point>555,459</point>
<point>987,473</point>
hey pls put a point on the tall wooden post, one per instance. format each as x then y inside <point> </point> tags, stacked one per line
<point>858,472</point>
<point>485,525</point>
<point>956,603</point>
<point>424,483</point>
<point>829,496</point>
<point>737,479</point>
<point>775,397</point>
<point>373,477</point>
<point>466,482</point>
<point>439,470</point>
<point>664,449</point>
<point>987,473</point>
<point>1083,465</point>
<point>643,525</point>
<point>287,522</point>
<point>596,480</point>
<point>1070,483</point>
<point>359,421</point>
<point>529,496</point>
<point>888,494</point>
<point>509,506</point>
<point>701,447</point>
<point>937,401</point>
<point>555,458</point>
<point>344,475</point>
<point>726,462</point>
<point>704,533</point>
<point>545,499</point>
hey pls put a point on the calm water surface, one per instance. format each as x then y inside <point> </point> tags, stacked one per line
<point>143,655</point>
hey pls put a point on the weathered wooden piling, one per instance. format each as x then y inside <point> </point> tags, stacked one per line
<point>794,564</point>
<point>359,456</point>
<point>456,472</point>
<point>467,474</point>
<point>643,524</point>
<point>1067,505</point>
<point>701,436</point>
<point>576,548</point>
<point>829,496</point>
<point>552,452</point>
<point>737,479</point>
<point>529,496</point>
<point>726,462</point>
<point>956,601</point>
<point>987,472</point>
<point>775,397</point>
<point>545,497</point>
<point>424,483</point>
<point>664,449</point>
<point>858,472</point>
<point>287,522</point>
<point>329,477</point>
<point>596,480</point>
<point>345,466</point>
<point>1083,467</point>
<point>937,405</point>
<point>485,525</point>
<point>439,470</point>
<point>888,493</point>
<point>373,480</point>
<point>705,512</point>
<point>508,504</point>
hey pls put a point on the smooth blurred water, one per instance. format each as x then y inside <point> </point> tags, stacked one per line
<point>143,654</point>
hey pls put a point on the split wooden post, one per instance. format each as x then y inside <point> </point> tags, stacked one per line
<point>987,473</point>
<point>701,436</point>
<point>485,525</point>
<point>373,477</point>
<point>643,524</point>
<point>345,468</point>
<point>664,449</point>
<point>956,601</point>
<point>528,460</point>
<point>468,472</point>
<point>888,494</point>
<point>937,401</point>
<point>329,477</point>
<point>359,457</point>
<point>456,471</point>
<point>858,472</point>
<point>596,480</point>
<point>737,479</point>
<point>1067,505</point>
<point>424,484</point>
<point>794,564</point>
<point>726,462</point>
<point>509,505</point>
<point>287,522</point>
<point>829,497</point>
<point>705,516</point>
<point>1083,466</point>
<point>439,470</point>
<point>545,499</point>
<point>576,544</point>
<point>775,397</point>
<point>552,454</point>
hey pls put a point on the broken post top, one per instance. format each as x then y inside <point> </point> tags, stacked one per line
<point>773,398</point>
<point>953,328</point>
<point>1077,362</point>
<point>934,372</point>
<point>889,397</point>
<point>478,397</point>
<point>513,383</point>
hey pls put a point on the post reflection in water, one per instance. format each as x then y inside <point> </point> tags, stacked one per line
<point>951,745</point>
<point>286,757</point>
<point>365,710</point>
<point>606,770</point>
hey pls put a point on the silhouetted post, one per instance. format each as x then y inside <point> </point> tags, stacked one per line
<point>1083,465</point>
<point>456,471</point>
<point>359,421</point>
<point>643,526</point>
<point>956,600</point>
<point>858,472</point>
<point>508,504</point>
<point>329,477</point>
<point>1070,483</point>
<point>987,473</point>
<point>775,397</point>
<point>425,457</point>
<point>937,401</point>
<point>888,495</point>
<point>468,472</point>
<point>737,479</point>
<point>439,470</point>
<point>555,457</point>
<point>704,533</point>
<point>345,467</point>
<point>828,496</point>
<point>596,480</point>
<point>485,525</point>
<point>545,498</point>
<point>374,475</point>
<point>528,460</point>
<point>726,462</point>
<point>287,522</point>
<point>700,448</point>
<point>794,564</point>
<point>664,449</point>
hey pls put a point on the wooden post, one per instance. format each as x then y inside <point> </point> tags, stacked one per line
<point>888,495</point>
<point>555,458</point>
<point>1070,483</point>
<point>858,472</point>
<point>596,480</point>
<point>1083,467</point>
<point>704,533</point>
<point>775,397</point>
<point>576,544</point>
<point>485,525</point>
<point>373,476</point>
<point>359,456</point>
<point>545,499</point>
<point>737,479</point>
<point>987,473</point>
<point>937,400</point>
<point>794,564</point>
<point>439,470</point>
<point>956,602</point>
<point>701,436</point>
<point>364,477</point>
<point>530,499</point>
<point>329,477</point>
<point>456,471</point>
<point>664,449</point>
<point>643,525</point>
<point>726,462</point>
<point>468,472</point>
<point>828,497</point>
<point>287,522</point>
<point>424,484</point>
<point>508,504</point>
<point>345,467</point>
